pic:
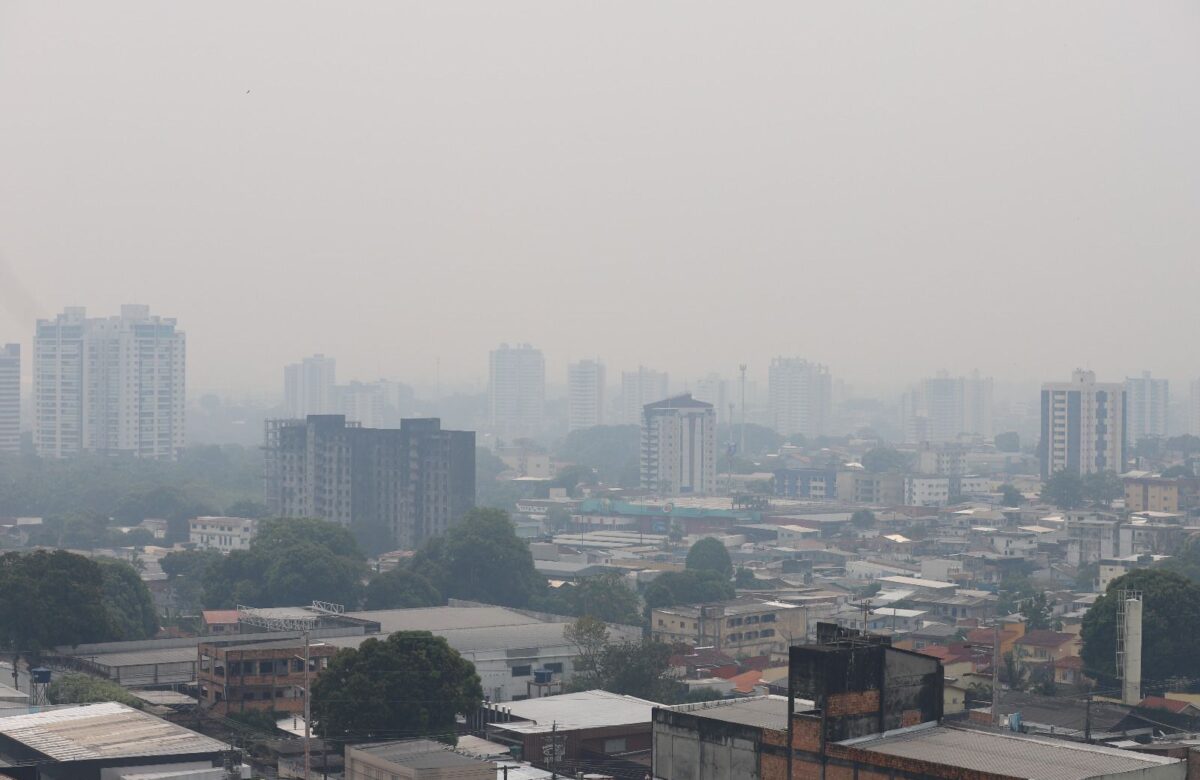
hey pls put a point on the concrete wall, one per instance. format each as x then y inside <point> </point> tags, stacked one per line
<point>687,747</point>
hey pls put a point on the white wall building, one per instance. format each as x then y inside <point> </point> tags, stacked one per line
<point>585,395</point>
<point>638,388</point>
<point>516,392</point>
<point>1146,403</point>
<point>679,446</point>
<point>112,385</point>
<point>10,398</point>
<point>222,533</point>
<point>800,396</point>
<point>1083,426</point>
<point>365,403</point>
<point>926,491</point>
<point>308,387</point>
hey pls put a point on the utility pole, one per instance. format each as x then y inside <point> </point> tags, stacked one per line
<point>1087,720</point>
<point>742,450</point>
<point>996,672</point>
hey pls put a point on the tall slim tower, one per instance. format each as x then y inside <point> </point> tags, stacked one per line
<point>113,385</point>
<point>1147,400</point>
<point>585,395</point>
<point>516,391</point>
<point>801,397</point>
<point>1083,426</point>
<point>639,388</point>
<point>10,398</point>
<point>309,387</point>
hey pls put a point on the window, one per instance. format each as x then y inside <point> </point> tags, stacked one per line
<point>767,632</point>
<point>522,671</point>
<point>266,667</point>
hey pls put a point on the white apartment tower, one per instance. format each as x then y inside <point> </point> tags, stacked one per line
<point>800,395</point>
<point>1146,403</point>
<point>1083,426</point>
<point>679,447</point>
<point>639,388</point>
<point>113,385</point>
<point>309,387</point>
<point>10,398</point>
<point>714,390</point>
<point>943,407</point>
<point>585,395</point>
<point>516,392</point>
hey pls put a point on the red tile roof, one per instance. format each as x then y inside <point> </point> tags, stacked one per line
<point>1069,662</point>
<point>1162,703</point>
<point>219,616</point>
<point>1043,638</point>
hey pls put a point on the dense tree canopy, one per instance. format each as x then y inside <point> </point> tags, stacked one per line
<point>186,571</point>
<point>51,598</point>
<point>637,669</point>
<point>884,459</point>
<point>605,597</point>
<point>481,559</point>
<point>408,685</point>
<point>1064,490</point>
<point>863,519</point>
<point>1103,487</point>
<point>1009,441</point>
<point>1186,560</point>
<point>1170,625</point>
<point>709,554</point>
<point>760,439</point>
<point>1010,496</point>
<point>612,450</point>
<point>687,587</point>
<point>76,688</point>
<point>127,601</point>
<point>401,588</point>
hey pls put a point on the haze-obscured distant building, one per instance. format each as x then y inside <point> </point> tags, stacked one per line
<point>585,395</point>
<point>516,392</point>
<point>679,450</point>
<point>943,408</point>
<point>638,388</point>
<point>308,387</point>
<point>112,385</point>
<point>718,392</point>
<point>393,488</point>
<point>10,398</point>
<point>1194,408</point>
<point>1146,403</point>
<point>1083,426</point>
<point>801,397</point>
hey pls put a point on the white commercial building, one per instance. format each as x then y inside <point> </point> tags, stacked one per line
<point>679,446</point>
<point>1083,426</point>
<point>10,398</point>
<point>225,534</point>
<point>308,387</point>
<point>639,388</point>
<point>942,408</point>
<point>800,395</point>
<point>516,391</point>
<point>1146,403</point>
<point>926,491</point>
<point>112,385</point>
<point>585,395</point>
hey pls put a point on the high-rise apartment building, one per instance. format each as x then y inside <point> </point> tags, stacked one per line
<point>393,488</point>
<point>1083,426</point>
<point>942,408</point>
<point>516,392</point>
<point>1146,403</point>
<point>10,398</point>
<point>638,388</point>
<point>112,385</point>
<point>309,387</point>
<point>679,446</point>
<point>800,396</point>
<point>712,389</point>
<point>585,395</point>
<point>1194,408</point>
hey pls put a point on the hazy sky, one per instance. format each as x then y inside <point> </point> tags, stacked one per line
<point>886,187</point>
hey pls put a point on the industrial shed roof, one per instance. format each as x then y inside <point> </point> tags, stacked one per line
<point>102,731</point>
<point>574,711</point>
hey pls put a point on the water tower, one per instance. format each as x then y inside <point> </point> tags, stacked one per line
<point>39,681</point>
<point>1129,645</point>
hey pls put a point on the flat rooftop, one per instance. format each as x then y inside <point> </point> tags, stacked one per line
<point>768,712</point>
<point>573,711</point>
<point>419,754</point>
<point>102,731</point>
<point>1012,754</point>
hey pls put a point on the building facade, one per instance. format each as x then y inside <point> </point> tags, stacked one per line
<point>10,398</point>
<point>745,626</point>
<point>800,396</point>
<point>714,390</point>
<point>1083,426</point>
<point>393,488</point>
<point>114,385</point>
<point>308,387</point>
<point>585,395</point>
<point>258,676</point>
<point>516,392</point>
<point>943,408</point>
<point>224,534</point>
<point>679,447</point>
<point>1146,402</point>
<point>638,388</point>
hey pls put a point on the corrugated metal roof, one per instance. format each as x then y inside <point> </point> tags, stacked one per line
<point>768,712</point>
<point>1016,755</point>
<point>107,730</point>
<point>573,711</point>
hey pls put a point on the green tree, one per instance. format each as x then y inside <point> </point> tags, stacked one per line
<point>760,439</point>
<point>248,508</point>
<point>1064,490</point>
<point>1186,560</point>
<point>571,477</point>
<point>481,559</point>
<point>412,684</point>
<point>612,450</point>
<point>186,571</point>
<point>589,637</point>
<point>884,459</point>
<point>77,688</point>
<point>286,532</point>
<point>127,601</point>
<point>744,578</point>
<point>490,490</point>
<point>1009,441</point>
<point>1170,624</point>
<point>709,554</point>
<point>1178,471</point>
<point>1010,496</point>
<point>1087,576</point>
<point>1103,487</point>
<point>687,587</point>
<point>1037,610</point>
<point>49,599</point>
<point>401,589</point>
<point>637,669</point>
<point>603,596</point>
<point>863,519</point>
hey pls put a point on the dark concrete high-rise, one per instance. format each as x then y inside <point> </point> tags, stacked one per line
<point>393,488</point>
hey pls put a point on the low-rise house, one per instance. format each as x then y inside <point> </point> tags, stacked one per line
<point>1041,646</point>
<point>225,534</point>
<point>744,626</point>
<point>259,676</point>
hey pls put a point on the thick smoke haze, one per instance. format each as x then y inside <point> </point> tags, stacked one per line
<point>889,187</point>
